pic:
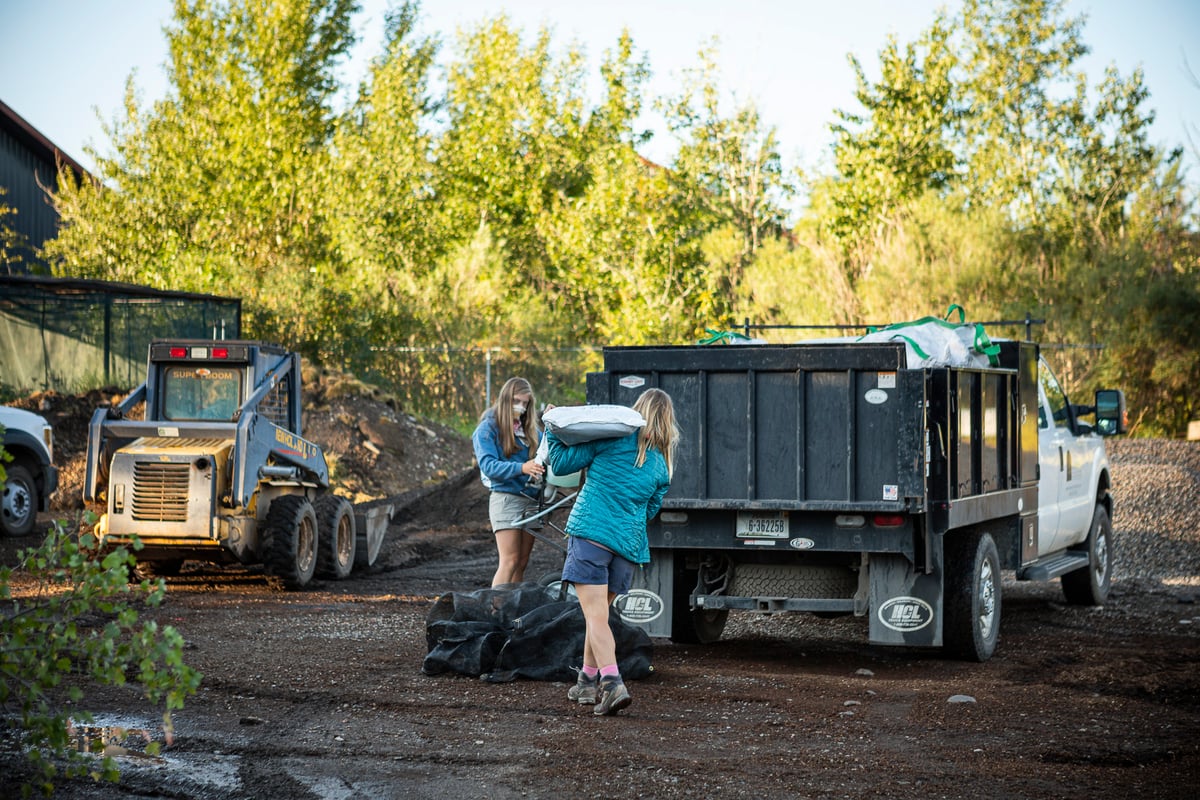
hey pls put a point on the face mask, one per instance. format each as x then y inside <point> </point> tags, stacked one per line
<point>518,409</point>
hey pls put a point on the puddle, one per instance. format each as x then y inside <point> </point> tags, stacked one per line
<point>112,737</point>
<point>126,739</point>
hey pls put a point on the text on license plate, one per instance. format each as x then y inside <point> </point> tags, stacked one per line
<point>762,525</point>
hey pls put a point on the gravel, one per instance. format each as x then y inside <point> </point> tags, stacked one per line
<point>1156,516</point>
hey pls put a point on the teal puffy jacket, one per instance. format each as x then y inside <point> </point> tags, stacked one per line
<point>617,497</point>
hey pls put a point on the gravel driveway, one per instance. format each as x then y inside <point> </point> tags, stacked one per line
<point>319,694</point>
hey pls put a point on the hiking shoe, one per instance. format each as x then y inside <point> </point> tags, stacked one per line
<point>611,697</point>
<point>584,690</point>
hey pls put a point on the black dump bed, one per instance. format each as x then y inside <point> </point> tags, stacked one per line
<point>836,427</point>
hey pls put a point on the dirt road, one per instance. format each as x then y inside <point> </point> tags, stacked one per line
<point>319,694</point>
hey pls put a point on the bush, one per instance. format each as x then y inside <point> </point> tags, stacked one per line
<point>79,625</point>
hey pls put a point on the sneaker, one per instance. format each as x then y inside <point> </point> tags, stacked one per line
<point>611,697</point>
<point>584,690</point>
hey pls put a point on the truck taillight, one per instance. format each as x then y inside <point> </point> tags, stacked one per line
<point>220,352</point>
<point>178,352</point>
<point>888,520</point>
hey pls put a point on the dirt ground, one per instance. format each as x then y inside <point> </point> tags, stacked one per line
<point>319,694</point>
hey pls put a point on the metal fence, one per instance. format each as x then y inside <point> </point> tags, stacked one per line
<point>456,384</point>
<point>74,335</point>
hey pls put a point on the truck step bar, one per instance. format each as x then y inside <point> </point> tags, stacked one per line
<point>1054,566</point>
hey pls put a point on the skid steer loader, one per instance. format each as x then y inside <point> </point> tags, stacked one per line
<point>217,469</point>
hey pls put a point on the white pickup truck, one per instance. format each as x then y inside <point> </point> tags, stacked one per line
<point>30,475</point>
<point>853,478</point>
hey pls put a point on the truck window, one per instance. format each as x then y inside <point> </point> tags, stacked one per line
<point>201,393</point>
<point>1055,396</point>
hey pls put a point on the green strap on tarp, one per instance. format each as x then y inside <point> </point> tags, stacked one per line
<point>723,337</point>
<point>982,344</point>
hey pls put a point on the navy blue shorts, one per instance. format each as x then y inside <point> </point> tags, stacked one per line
<point>592,565</point>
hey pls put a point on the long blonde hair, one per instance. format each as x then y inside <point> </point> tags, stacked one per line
<point>660,430</point>
<point>531,421</point>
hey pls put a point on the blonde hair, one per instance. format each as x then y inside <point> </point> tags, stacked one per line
<point>503,409</point>
<point>660,430</point>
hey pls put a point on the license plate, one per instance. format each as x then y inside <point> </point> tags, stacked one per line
<point>762,525</point>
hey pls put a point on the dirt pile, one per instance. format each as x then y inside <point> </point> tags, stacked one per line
<point>374,449</point>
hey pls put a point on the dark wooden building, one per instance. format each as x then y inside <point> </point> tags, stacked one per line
<point>28,171</point>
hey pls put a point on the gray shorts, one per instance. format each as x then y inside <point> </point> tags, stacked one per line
<point>504,509</point>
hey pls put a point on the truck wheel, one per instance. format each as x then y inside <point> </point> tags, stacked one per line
<point>291,538</point>
<point>688,626</point>
<point>1089,586</point>
<point>18,502</point>
<point>338,538</point>
<point>971,601</point>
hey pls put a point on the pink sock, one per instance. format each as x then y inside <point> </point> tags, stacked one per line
<point>610,671</point>
<point>590,672</point>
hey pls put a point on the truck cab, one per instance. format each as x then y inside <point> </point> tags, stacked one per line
<point>30,475</point>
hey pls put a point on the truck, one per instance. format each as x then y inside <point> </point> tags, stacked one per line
<point>217,469</point>
<point>832,478</point>
<point>30,476</point>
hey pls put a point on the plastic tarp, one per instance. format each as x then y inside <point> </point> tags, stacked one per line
<point>521,631</point>
<point>933,342</point>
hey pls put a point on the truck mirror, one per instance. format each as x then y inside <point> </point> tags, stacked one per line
<point>1110,412</point>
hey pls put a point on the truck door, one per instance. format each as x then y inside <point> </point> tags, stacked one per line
<point>1069,460</point>
<point>1051,441</point>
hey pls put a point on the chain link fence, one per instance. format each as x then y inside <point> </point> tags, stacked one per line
<point>455,384</point>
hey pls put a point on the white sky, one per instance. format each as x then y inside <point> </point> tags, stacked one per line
<point>62,61</point>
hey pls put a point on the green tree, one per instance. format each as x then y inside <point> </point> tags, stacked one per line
<point>12,243</point>
<point>729,170</point>
<point>896,149</point>
<point>216,188</point>
<point>80,625</point>
<point>380,203</point>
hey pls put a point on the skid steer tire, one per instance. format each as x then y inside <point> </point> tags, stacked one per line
<point>337,536</point>
<point>292,540</point>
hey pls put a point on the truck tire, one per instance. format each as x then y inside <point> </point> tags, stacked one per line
<point>291,538</point>
<point>689,626</point>
<point>18,502</point>
<point>337,536</point>
<point>1089,586</point>
<point>971,600</point>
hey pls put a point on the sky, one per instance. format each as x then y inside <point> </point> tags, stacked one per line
<point>64,63</point>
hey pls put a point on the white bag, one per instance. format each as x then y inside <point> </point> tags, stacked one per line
<point>575,424</point>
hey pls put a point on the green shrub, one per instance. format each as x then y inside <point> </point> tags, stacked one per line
<point>78,627</point>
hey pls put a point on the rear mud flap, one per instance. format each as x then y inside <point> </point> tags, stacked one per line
<point>648,604</point>
<point>906,606</point>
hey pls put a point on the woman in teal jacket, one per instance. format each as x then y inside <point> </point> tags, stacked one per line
<point>627,478</point>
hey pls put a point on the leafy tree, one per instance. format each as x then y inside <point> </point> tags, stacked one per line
<point>12,243</point>
<point>381,207</point>
<point>894,151</point>
<point>217,187</point>
<point>52,647</point>
<point>727,168</point>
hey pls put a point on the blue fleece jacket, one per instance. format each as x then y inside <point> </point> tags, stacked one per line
<point>617,497</point>
<point>500,473</point>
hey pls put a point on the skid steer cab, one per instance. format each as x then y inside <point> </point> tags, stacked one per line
<point>217,469</point>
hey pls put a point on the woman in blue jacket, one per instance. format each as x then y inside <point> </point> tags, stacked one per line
<point>505,442</point>
<point>627,478</point>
